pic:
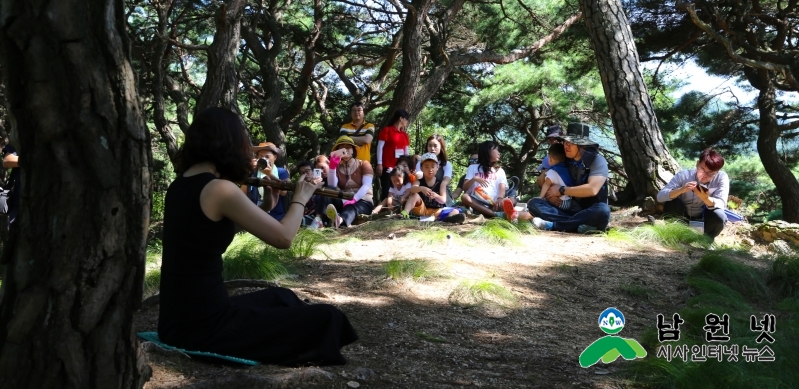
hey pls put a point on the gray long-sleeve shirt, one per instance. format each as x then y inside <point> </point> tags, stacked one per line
<point>718,188</point>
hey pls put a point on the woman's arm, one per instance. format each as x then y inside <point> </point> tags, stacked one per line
<point>366,184</point>
<point>223,199</point>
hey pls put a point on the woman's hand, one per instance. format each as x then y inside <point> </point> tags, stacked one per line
<point>340,153</point>
<point>481,181</point>
<point>304,189</point>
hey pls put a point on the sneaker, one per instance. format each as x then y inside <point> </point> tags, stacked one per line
<point>457,218</point>
<point>405,215</point>
<point>316,224</point>
<point>510,211</point>
<point>542,224</point>
<point>585,228</point>
<point>332,214</point>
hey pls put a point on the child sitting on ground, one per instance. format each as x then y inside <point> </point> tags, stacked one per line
<point>425,196</point>
<point>399,191</point>
<point>558,174</point>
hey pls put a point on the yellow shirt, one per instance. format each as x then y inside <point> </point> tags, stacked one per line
<point>364,152</point>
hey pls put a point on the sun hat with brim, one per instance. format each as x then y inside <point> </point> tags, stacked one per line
<point>577,140</point>
<point>344,140</point>
<point>554,131</point>
<point>266,146</point>
<point>428,157</point>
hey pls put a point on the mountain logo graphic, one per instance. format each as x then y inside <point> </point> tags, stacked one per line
<point>610,347</point>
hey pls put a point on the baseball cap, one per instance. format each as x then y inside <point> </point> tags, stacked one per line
<point>428,156</point>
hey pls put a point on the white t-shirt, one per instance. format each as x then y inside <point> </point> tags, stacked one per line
<point>556,180</point>
<point>447,168</point>
<point>393,191</point>
<point>496,177</point>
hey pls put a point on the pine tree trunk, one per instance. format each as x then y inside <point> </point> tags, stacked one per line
<point>221,82</point>
<point>76,255</point>
<point>647,161</point>
<point>781,175</point>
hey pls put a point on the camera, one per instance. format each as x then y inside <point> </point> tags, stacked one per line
<point>263,163</point>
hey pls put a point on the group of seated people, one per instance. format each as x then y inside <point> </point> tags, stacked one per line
<point>573,182</point>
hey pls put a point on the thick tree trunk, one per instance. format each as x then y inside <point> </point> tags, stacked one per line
<point>221,82</point>
<point>646,159</point>
<point>781,175</point>
<point>76,255</point>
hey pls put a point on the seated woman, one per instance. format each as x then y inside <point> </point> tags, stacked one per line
<point>203,208</point>
<point>700,193</point>
<point>352,175</point>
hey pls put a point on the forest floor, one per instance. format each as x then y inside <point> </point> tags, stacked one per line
<point>435,332</point>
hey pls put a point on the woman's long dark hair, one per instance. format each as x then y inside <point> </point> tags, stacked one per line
<point>217,135</point>
<point>400,113</point>
<point>484,155</point>
<point>442,155</point>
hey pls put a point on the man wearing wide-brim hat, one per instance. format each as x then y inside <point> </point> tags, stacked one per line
<point>589,172</point>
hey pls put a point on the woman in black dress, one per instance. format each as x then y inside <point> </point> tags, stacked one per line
<point>202,209</point>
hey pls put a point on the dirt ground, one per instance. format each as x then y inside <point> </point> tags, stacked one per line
<point>414,335</point>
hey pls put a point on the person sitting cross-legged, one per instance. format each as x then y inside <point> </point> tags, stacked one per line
<point>425,195</point>
<point>589,173</point>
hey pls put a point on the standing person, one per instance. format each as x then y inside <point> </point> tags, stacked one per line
<point>589,173</point>
<point>11,161</point>
<point>486,182</point>
<point>360,131</point>
<point>436,145</point>
<point>392,143</point>
<point>553,132</point>
<point>351,175</point>
<point>203,208</point>
<point>699,194</point>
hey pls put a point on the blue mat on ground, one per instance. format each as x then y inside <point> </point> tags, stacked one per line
<point>153,337</point>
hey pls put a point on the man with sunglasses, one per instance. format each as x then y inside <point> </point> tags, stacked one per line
<point>699,194</point>
<point>589,173</point>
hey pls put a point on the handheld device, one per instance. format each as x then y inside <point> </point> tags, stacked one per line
<point>317,173</point>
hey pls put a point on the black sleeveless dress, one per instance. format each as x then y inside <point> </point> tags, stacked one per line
<point>271,325</point>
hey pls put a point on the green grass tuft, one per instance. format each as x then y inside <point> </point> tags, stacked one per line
<point>497,231</point>
<point>432,236</point>
<point>415,269</point>
<point>745,280</point>
<point>305,245</point>
<point>431,338</point>
<point>152,282</point>
<point>784,276</point>
<point>637,291</point>
<point>479,292</point>
<point>248,257</point>
<point>670,234</point>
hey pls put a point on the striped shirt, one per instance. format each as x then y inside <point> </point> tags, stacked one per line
<point>349,129</point>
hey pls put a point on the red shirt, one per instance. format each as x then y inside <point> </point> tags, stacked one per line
<point>394,140</point>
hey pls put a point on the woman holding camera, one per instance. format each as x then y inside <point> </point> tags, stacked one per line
<point>699,194</point>
<point>203,209</point>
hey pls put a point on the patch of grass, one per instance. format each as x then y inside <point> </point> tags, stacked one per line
<point>152,282</point>
<point>637,291</point>
<point>745,280</point>
<point>415,269</point>
<point>248,257</point>
<point>497,231</point>
<point>479,292</point>
<point>305,245</point>
<point>154,249</point>
<point>725,287</point>
<point>431,236</point>
<point>784,276</point>
<point>431,338</point>
<point>670,234</point>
